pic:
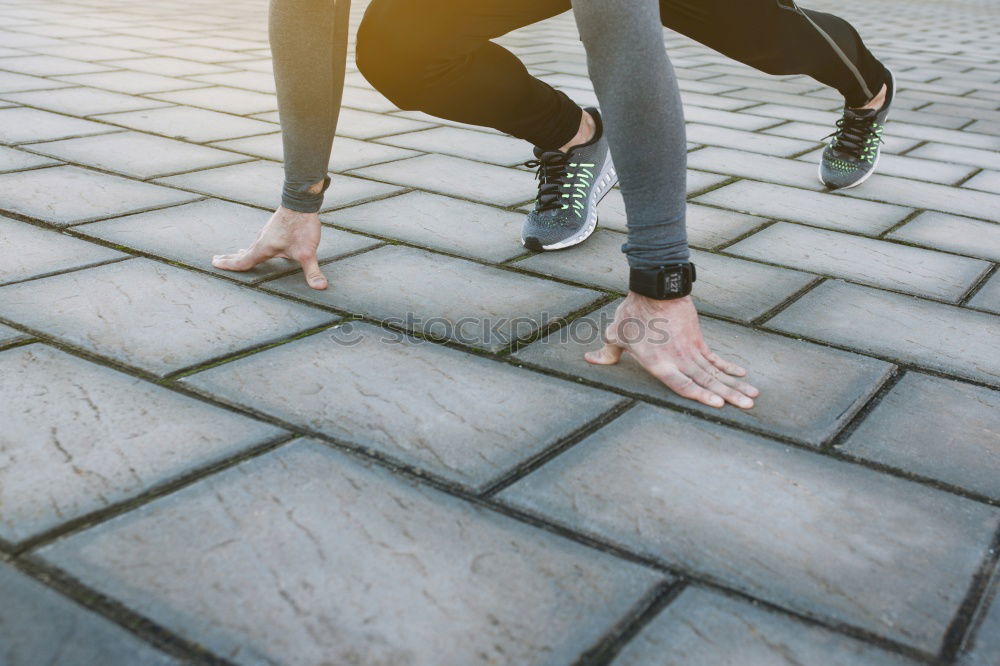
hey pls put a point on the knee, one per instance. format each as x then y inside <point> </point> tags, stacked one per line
<point>393,55</point>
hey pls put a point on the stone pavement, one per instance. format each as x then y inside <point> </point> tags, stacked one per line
<point>416,466</point>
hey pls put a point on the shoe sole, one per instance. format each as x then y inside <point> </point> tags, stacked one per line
<point>878,155</point>
<point>605,181</point>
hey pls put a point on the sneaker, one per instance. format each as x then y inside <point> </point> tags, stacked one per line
<point>570,186</point>
<point>852,156</point>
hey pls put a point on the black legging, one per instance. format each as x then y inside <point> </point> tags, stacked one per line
<point>436,56</point>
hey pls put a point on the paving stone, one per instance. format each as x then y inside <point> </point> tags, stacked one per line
<point>43,627</point>
<point>985,646</point>
<point>911,193</point>
<point>479,146</point>
<point>937,428</point>
<point>21,125</point>
<point>955,234</point>
<point>167,66</point>
<point>80,437</point>
<point>739,121</point>
<point>706,227</point>
<point>755,166</point>
<point>726,286</point>
<point>68,195</point>
<point>740,140</point>
<point>82,101</point>
<point>220,98</point>
<point>866,260</point>
<point>10,335</point>
<point>121,311</point>
<point>199,53</point>
<point>772,96</point>
<point>193,233</point>
<point>931,335</point>
<point>90,52</point>
<point>705,627</point>
<point>808,392</point>
<point>960,147</point>
<point>988,181</point>
<point>27,251</point>
<point>257,81</point>
<point>47,65</point>
<point>458,177</point>
<point>438,222</point>
<point>988,296</point>
<point>524,596</point>
<point>131,83</point>
<point>815,133</point>
<point>817,208</point>
<point>445,297</point>
<point>366,125</point>
<point>347,153</point>
<point>136,154</point>
<point>377,393</point>
<point>11,82</point>
<point>792,527</point>
<point>182,122</point>
<point>17,160</point>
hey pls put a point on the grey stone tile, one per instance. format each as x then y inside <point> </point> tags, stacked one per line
<point>738,121</point>
<point>220,98</point>
<point>815,133</point>
<point>987,181</point>
<point>366,125</point>
<point>988,296</point>
<point>10,335</point>
<point>808,392</point>
<point>14,160</point>
<point>21,125</point>
<point>757,143</point>
<point>82,101</point>
<point>524,596</point>
<point>89,52</point>
<point>706,227</point>
<point>442,296</point>
<point>80,437</point>
<point>458,177</point>
<point>438,222</point>
<point>257,81</point>
<point>28,251</point>
<point>131,83</point>
<point>817,208</point>
<point>198,53</point>
<point>347,153</point>
<point>259,183</point>
<point>123,310</point>
<point>786,99</point>
<point>792,527</point>
<point>705,627</point>
<point>68,195</point>
<point>11,82</point>
<point>725,286</point>
<point>930,335</point>
<point>438,409</point>
<point>183,122</point>
<point>43,627</point>
<point>479,146</point>
<point>986,159</point>
<point>166,66</point>
<point>136,154</point>
<point>193,233</point>
<point>905,192</point>
<point>47,65</point>
<point>755,166</point>
<point>875,262</point>
<point>984,648</point>
<point>937,428</point>
<point>955,234</point>
<point>366,99</point>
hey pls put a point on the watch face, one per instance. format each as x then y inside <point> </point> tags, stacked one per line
<point>673,282</point>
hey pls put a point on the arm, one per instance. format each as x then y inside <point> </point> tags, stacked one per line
<point>644,121</point>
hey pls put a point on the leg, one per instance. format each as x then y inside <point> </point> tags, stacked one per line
<point>309,43</point>
<point>778,37</point>
<point>436,56</point>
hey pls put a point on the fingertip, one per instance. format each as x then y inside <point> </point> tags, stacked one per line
<point>716,401</point>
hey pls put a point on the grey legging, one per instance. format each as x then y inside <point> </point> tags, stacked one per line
<point>644,122</point>
<point>632,76</point>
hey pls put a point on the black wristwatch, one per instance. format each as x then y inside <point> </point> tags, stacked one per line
<point>664,283</point>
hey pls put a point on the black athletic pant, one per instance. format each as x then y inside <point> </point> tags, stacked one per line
<point>436,56</point>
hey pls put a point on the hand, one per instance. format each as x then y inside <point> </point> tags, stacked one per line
<point>664,338</point>
<point>289,235</point>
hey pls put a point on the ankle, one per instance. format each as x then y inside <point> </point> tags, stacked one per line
<point>876,102</point>
<point>586,132</point>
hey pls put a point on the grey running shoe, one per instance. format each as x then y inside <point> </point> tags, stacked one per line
<point>571,184</point>
<point>852,156</point>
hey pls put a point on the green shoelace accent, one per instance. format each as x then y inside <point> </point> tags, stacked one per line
<point>578,189</point>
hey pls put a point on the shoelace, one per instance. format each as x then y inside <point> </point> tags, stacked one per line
<point>854,136</point>
<point>551,177</point>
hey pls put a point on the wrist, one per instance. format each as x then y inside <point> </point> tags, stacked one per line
<point>668,282</point>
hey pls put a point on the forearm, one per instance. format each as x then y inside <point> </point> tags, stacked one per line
<point>308,45</point>
<point>644,122</point>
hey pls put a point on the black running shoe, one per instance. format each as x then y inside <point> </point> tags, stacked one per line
<point>853,154</point>
<point>571,184</point>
